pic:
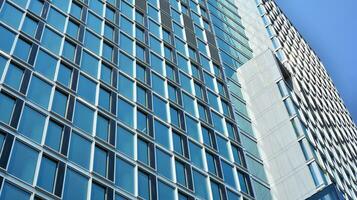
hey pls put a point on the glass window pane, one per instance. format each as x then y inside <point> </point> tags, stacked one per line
<point>75,186</point>
<point>125,86</point>
<point>124,177</point>
<point>89,64</point>
<point>162,134</point>
<point>79,150</point>
<point>192,128</point>
<point>31,124</point>
<point>200,185</point>
<point>61,4</point>
<point>163,163</point>
<point>102,130</point>
<point>11,15</point>
<point>159,107</point>
<point>56,19</point>
<point>54,135</point>
<point>45,64</point>
<point>222,147</point>
<point>126,44</point>
<point>92,42</point>
<point>87,89</point>
<point>106,74</point>
<point>125,112</point>
<point>104,99</point>
<point>228,175</point>
<point>83,117</point>
<point>165,191</point>
<point>100,161</point>
<point>144,186</point>
<point>59,104</point>
<point>47,174</point>
<point>6,40</point>
<point>36,7</point>
<point>64,75</point>
<point>158,85</point>
<point>94,23</point>
<point>142,122</point>
<point>178,143</point>
<point>10,191</point>
<point>7,105</point>
<point>39,92</point>
<point>125,141</point>
<point>180,173</point>
<point>22,49</point>
<point>51,40</point>
<point>14,76</point>
<point>126,64</point>
<point>196,155</point>
<point>23,162</point>
<point>97,192</point>
<point>143,151</point>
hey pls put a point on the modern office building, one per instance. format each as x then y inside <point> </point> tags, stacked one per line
<point>167,99</point>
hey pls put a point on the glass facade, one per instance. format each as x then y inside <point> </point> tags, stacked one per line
<point>124,99</point>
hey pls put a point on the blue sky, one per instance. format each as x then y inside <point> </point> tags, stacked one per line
<point>330,28</point>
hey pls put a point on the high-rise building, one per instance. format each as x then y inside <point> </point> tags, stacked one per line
<point>167,99</point>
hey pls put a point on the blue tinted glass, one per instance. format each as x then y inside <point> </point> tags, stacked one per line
<point>232,196</point>
<point>143,151</point>
<point>211,163</point>
<point>106,74</point>
<point>3,62</point>
<point>242,182</point>
<point>54,135</point>
<point>11,15</point>
<point>79,150</point>
<point>177,141</point>
<point>212,99</point>
<point>14,76</point>
<point>200,185</point>
<point>56,19</point>
<point>64,75</point>
<point>94,23</point>
<point>102,128</point>
<point>144,186</point>
<point>75,186</point>
<point>125,87</point>
<point>126,25</point>
<point>196,154</point>
<point>107,51</point>
<point>104,99</point>
<point>188,104</point>
<point>96,6</point>
<point>141,96</point>
<point>156,63</point>
<point>98,192</point>
<point>222,147</point>
<point>216,194</point>
<point>155,45</point>
<point>47,174</point>
<point>180,173</point>
<point>72,29</point>
<point>183,64</point>
<point>89,64</point>
<point>125,112</point>
<point>126,44</point>
<point>76,10</point>
<point>92,42</point>
<point>32,123</point>
<point>36,7</point>
<point>165,191</point>
<point>83,117</point>
<point>142,122</point>
<point>192,128</point>
<point>126,9</point>
<point>23,162</point>
<point>140,73</point>
<point>139,34</point>
<point>100,161</point>
<point>39,92</point>
<point>7,105</point>
<point>86,89</point>
<point>154,28</point>
<point>163,163</point>
<point>51,40</point>
<point>159,107</point>
<point>69,50</point>
<point>45,64</point>
<point>125,141</point>
<point>186,83</point>
<point>109,32</point>
<point>162,135</point>
<point>153,13</point>
<point>124,175</point>
<point>10,191</point>
<point>61,4</point>
<point>6,39</point>
<point>2,139</point>
<point>59,103</point>
<point>228,175</point>
<point>126,64</point>
<point>22,49</point>
<point>217,122</point>
<point>158,85</point>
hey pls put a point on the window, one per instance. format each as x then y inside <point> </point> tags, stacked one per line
<point>159,107</point>
<point>54,135</point>
<point>47,174</point>
<point>10,191</point>
<point>75,186</point>
<point>155,44</point>
<point>126,9</point>
<point>139,17</point>
<point>92,42</point>
<point>175,116</point>
<point>228,175</point>
<point>22,49</point>
<point>14,76</point>
<point>203,112</point>
<point>83,117</point>
<point>216,191</point>
<point>76,10</point>
<point>104,99</point>
<point>87,89</point>
<point>124,175</point>
<point>200,185</point>
<point>31,124</point>
<point>125,86</point>
<point>162,134</point>
<point>51,41</point>
<point>156,63</point>
<point>102,130</point>
<point>23,162</point>
<point>126,64</point>
<point>192,128</point>
<point>3,62</point>
<point>106,74</point>
<point>141,95</point>
<point>61,4</point>
<point>126,43</point>
<point>180,173</point>
<point>11,15</point>
<point>100,161</point>
<point>140,34</point>
<point>222,147</point>
<point>108,51</point>
<point>143,151</point>
<point>7,105</point>
<point>96,6</point>
<point>110,14</point>
<point>125,141</point>
<point>173,93</point>
<point>97,192</point>
<point>158,85</point>
<point>39,92</point>
<point>170,72</point>
<point>72,29</point>
<point>188,104</point>
<point>79,150</point>
<point>142,122</point>
<point>243,182</point>
<point>64,75</point>
<point>211,163</point>
<point>163,164</point>
<point>166,36</point>
<point>237,155</point>
<point>69,50</point>
<point>59,104</point>
<point>183,64</point>
<point>125,112</point>
<point>143,186</point>
<point>217,122</point>
<point>56,19</point>
<point>196,155</point>
<point>178,143</point>
<point>109,32</point>
<point>46,64</point>
<point>195,72</point>
<point>165,192</point>
<point>6,40</point>
<point>36,7</point>
<point>140,52</point>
